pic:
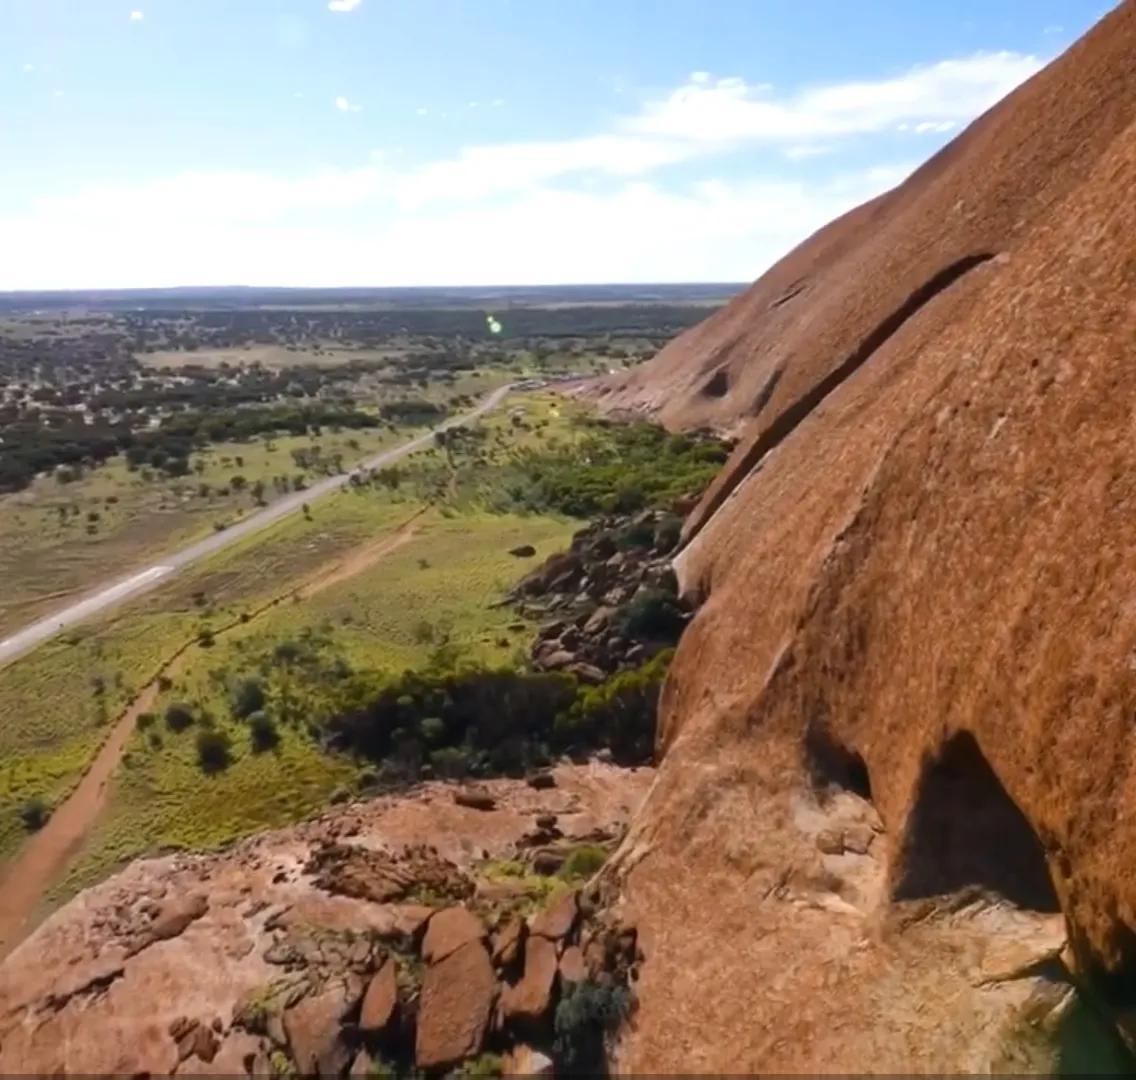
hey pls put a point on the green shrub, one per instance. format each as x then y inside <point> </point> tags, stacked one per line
<point>263,734</point>
<point>636,534</point>
<point>214,750</point>
<point>610,467</point>
<point>178,716</point>
<point>450,762</point>
<point>145,720</point>
<point>652,614</point>
<point>432,730</point>
<point>668,533</point>
<point>585,1015</point>
<point>378,1069</point>
<point>34,813</point>
<point>583,862</point>
<point>619,713</point>
<point>246,696</point>
<point>484,1065</point>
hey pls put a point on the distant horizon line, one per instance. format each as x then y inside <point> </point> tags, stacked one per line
<point>131,289</point>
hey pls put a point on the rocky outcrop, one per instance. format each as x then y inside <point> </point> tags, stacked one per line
<point>351,870</point>
<point>609,602</point>
<point>896,733</point>
<point>366,937</point>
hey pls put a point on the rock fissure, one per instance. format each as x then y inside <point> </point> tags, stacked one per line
<point>790,418</point>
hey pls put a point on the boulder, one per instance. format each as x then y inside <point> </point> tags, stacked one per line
<point>380,1001</point>
<point>556,659</point>
<point>542,780</point>
<point>448,931</point>
<point>528,1002</point>
<point>550,631</point>
<point>858,839</point>
<point>455,1007</point>
<point>587,673</point>
<point>830,842</point>
<point>474,799</point>
<point>312,1028</point>
<point>508,941</point>
<point>203,1044</point>
<point>523,551</point>
<point>573,969</point>
<point>175,915</point>
<point>599,620</point>
<point>557,921</point>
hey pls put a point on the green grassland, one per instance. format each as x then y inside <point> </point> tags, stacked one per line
<point>435,591</point>
<point>58,700</point>
<point>457,510</point>
<point>58,540</point>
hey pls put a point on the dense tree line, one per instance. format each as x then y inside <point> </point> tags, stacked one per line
<point>28,448</point>
<point>45,441</point>
<point>473,720</point>
<point>613,468</point>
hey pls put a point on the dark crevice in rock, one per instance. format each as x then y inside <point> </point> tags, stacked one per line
<point>965,832</point>
<point>718,385</point>
<point>766,391</point>
<point>793,291</point>
<point>832,765</point>
<point>783,425</point>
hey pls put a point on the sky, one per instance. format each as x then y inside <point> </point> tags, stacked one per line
<point>157,143</point>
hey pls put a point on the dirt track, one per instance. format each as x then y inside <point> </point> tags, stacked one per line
<point>49,852</point>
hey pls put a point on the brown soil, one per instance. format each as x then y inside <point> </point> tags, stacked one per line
<point>359,559</point>
<point>48,853</point>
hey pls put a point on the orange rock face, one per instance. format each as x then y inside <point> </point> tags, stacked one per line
<point>457,1000</point>
<point>911,672</point>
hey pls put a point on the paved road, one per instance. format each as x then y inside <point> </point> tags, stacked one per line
<point>145,580</point>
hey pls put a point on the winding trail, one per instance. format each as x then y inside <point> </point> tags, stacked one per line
<point>49,852</point>
<point>150,577</point>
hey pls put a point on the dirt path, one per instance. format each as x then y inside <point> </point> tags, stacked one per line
<point>360,559</point>
<point>50,851</point>
<point>23,641</point>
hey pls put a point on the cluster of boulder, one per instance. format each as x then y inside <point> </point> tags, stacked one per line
<point>446,986</point>
<point>584,596</point>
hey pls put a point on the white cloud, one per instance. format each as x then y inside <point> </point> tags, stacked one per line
<point>729,110</point>
<point>572,209</point>
<point>638,231</point>
<point>804,151</point>
<point>28,67</point>
<point>137,16</point>
<point>937,126</point>
<point>343,5</point>
<point>421,110</point>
